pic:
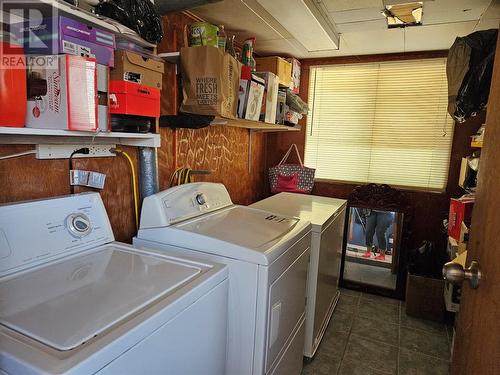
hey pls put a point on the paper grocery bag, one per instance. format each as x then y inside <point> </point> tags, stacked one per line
<point>210,81</point>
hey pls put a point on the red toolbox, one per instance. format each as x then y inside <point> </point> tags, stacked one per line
<point>129,98</point>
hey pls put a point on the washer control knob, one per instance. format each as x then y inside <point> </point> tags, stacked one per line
<point>200,199</point>
<point>78,224</point>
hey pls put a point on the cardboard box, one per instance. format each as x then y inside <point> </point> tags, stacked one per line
<point>268,109</point>
<point>280,107</point>
<point>242,97</point>
<point>61,35</point>
<point>452,294</point>
<point>128,98</point>
<point>254,98</point>
<point>424,298</point>
<point>103,117</point>
<point>455,247</point>
<point>460,211</point>
<point>62,93</point>
<point>295,87</point>
<point>132,67</point>
<point>467,176</point>
<point>291,117</point>
<point>102,78</point>
<point>278,66</point>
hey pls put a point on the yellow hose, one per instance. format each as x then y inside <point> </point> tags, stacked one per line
<point>183,176</point>
<point>134,184</point>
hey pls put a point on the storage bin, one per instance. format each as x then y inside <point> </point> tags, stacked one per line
<point>61,35</point>
<point>425,297</point>
<point>128,98</point>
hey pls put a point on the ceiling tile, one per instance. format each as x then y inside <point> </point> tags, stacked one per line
<point>241,20</point>
<point>445,11</point>
<point>436,37</point>
<point>493,10</point>
<point>285,47</point>
<point>357,15</point>
<point>341,5</point>
<point>377,41</point>
<point>352,27</point>
<point>489,23</point>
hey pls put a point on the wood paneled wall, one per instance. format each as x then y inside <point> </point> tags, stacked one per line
<point>219,149</point>
<point>429,208</point>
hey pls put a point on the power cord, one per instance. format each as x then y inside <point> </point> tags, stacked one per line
<point>82,151</point>
<point>11,156</point>
<point>134,182</point>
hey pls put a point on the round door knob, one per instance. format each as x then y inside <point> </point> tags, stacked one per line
<point>455,274</point>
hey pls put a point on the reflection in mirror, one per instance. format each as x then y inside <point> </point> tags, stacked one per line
<point>372,247</point>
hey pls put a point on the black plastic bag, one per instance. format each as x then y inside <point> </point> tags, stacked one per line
<point>141,16</point>
<point>473,55</point>
<point>185,120</point>
<point>427,260</point>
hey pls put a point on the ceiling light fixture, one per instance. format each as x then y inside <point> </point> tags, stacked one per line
<point>306,20</point>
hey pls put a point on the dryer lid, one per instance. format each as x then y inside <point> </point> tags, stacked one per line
<point>243,226</point>
<point>65,304</point>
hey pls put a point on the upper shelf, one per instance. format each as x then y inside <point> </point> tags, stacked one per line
<point>70,11</point>
<point>254,125</point>
<point>31,136</point>
<point>171,57</point>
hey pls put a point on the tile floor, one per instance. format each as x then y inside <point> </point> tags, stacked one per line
<point>369,335</point>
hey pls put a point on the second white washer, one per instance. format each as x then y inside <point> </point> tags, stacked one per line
<point>267,256</point>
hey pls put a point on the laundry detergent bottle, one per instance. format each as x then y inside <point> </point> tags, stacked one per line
<point>12,82</point>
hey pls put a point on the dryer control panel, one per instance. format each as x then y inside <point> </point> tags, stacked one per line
<point>183,202</point>
<point>34,232</point>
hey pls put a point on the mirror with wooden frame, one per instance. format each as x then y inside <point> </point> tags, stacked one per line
<point>376,232</point>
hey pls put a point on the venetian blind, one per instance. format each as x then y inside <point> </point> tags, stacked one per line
<point>380,122</point>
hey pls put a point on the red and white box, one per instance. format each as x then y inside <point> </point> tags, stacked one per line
<point>295,87</point>
<point>129,98</point>
<point>460,211</point>
<point>62,92</point>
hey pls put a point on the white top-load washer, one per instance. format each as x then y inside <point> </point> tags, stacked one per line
<point>267,255</point>
<point>327,217</point>
<point>73,301</point>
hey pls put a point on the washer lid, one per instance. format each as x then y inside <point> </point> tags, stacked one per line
<point>243,226</point>
<point>65,304</point>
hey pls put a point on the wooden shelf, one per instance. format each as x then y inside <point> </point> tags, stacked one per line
<point>32,136</point>
<point>253,125</point>
<point>62,8</point>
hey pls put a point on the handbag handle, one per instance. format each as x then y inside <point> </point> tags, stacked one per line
<point>293,146</point>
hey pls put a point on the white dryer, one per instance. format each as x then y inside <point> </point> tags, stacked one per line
<point>327,217</point>
<point>267,255</point>
<point>73,301</point>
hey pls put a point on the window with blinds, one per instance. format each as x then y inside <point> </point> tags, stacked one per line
<point>381,122</point>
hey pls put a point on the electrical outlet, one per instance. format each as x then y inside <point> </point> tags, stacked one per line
<point>65,151</point>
